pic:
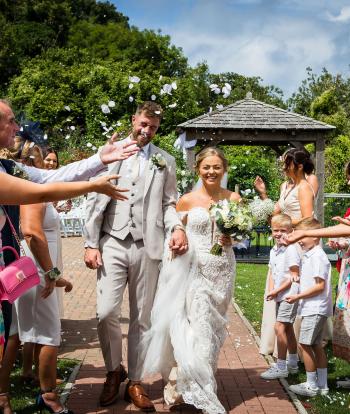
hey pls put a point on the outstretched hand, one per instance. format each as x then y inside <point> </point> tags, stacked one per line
<point>105,186</point>
<point>117,151</point>
<point>259,185</point>
<point>293,237</point>
<point>342,220</point>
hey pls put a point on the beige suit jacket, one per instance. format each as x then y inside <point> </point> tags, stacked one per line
<point>159,200</point>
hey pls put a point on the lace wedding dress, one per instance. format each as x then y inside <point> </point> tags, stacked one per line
<point>188,316</point>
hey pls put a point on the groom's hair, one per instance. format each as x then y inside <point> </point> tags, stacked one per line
<point>151,109</point>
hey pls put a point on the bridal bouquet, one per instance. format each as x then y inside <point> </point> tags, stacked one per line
<point>232,219</point>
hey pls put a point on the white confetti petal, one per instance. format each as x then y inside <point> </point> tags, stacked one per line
<point>72,127</point>
<point>134,79</point>
<point>67,108</point>
<point>157,112</point>
<point>153,97</point>
<point>45,136</point>
<point>174,85</point>
<point>31,145</point>
<point>131,98</point>
<point>131,85</point>
<point>160,77</point>
<point>105,109</point>
<point>67,136</point>
<point>173,105</point>
<point>219,107</point>
<point>119,123</point>
<point>111,104</point>
<point>89,145</point>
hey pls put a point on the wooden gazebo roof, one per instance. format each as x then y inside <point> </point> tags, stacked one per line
<point>251,121</point>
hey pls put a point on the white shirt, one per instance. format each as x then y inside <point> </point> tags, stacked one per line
<point>315,263</point>
<point>75,171</point>
<point>282,258</point>
<point>143,154</point>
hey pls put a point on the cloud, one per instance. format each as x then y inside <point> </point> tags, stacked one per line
<point>273,39</point>
<point>343,16</point>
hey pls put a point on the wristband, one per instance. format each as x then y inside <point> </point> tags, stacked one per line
<point>178,227</point>
<point>53,274</point>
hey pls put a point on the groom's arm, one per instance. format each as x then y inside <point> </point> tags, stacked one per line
<point>170,216</point>
<point>178,242</point>
<point>94,215</point>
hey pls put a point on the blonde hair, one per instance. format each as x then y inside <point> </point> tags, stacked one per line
<point>308,223</point>
<point>282,220</point>
<point>27,152</point>
<point>210,152</point>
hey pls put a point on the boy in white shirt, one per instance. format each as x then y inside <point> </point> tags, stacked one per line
<point>283,276</point>
<point>315,301</point>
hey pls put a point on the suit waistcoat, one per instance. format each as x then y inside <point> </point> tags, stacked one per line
<point>13,212</point>
<point>124,217</point>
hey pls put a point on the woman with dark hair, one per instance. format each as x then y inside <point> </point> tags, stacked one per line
<point>297,198</point>
<point>50,157</point>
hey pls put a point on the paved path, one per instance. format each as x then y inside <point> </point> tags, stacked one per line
<point>239,387</point>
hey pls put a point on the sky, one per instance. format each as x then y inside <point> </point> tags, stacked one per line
<point>274,39</point>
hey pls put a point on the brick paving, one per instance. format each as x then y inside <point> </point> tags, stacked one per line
<point>239,387</point>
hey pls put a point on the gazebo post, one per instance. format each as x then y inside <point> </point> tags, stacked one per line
<point>320,170</point>
<point>190,158</point>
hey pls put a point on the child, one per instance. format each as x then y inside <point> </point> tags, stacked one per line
<point>315,307</point>
<point>283,274</point>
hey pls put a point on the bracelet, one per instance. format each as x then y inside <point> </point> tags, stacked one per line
<point>53,274</point>
<point>178,227</point>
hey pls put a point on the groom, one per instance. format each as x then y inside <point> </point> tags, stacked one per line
<point>125,242</point>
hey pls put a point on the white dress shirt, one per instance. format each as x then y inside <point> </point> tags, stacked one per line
<point>76,171</point>
<point>315,263</point>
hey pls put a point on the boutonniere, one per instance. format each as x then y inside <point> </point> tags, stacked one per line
<point>20,173</point>
<point>158,161</point>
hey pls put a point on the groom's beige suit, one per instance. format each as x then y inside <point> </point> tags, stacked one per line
<point>130,235</point>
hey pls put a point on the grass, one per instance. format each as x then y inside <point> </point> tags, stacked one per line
<point>249,295</point>
<point>23,396</point>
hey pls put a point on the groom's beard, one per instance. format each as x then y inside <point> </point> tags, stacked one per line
<point>142,140</point>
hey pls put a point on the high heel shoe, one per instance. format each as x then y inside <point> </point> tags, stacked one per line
<point>5,405</point>
<point>42,405</point>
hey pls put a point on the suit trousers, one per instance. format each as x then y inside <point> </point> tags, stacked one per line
<point>124,262</point>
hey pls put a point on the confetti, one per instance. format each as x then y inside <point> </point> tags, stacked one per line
<point>111,104</point>
<point>105,109</point>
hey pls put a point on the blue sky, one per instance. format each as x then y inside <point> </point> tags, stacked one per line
<point>273,39</point>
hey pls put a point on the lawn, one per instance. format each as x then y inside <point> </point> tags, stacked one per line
<point>23,396</point>
<point>249,291</point>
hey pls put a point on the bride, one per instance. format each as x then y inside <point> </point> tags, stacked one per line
<point>194,292</point>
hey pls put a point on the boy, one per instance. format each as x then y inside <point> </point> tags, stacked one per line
<point>315,306</point>
<point>283,274</point>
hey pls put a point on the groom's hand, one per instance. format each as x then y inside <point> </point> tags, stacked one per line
<point>117,151</point>
<point>92,258</point>
<point>178,242</point>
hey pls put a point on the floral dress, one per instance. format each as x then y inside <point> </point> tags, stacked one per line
<point>2,265</point>
<point>341,332</point>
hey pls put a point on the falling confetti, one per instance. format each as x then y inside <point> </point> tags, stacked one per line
<point>111,104</point>
<point>67,108</point>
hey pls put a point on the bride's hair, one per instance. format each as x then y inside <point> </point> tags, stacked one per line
<point>209,152</point>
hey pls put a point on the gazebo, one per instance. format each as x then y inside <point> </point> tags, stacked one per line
<point>251,122</point>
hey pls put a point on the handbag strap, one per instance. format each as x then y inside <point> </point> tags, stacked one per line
<point>23,253</point>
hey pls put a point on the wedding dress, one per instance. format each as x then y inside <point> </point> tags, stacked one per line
<point>189,316</point>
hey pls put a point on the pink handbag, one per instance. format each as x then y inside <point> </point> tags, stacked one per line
<point>20,275</point>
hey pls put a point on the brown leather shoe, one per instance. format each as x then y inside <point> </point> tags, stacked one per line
<point>137,395</point>
<point>111,386</point>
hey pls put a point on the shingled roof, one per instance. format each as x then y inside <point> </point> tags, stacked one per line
<point>252,114</point>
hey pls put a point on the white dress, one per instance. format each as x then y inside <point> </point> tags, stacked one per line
<point>189,316</point>
<point>38,319</point>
